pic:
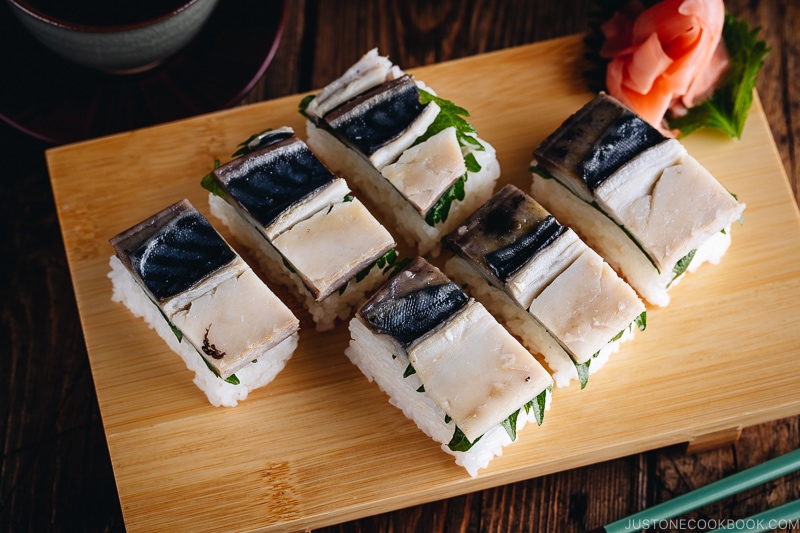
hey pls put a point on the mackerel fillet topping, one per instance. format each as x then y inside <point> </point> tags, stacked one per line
<point>414,302</point>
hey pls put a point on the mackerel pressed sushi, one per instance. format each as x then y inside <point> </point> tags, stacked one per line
<point>448,364</point>
<point>639,198</point>
<point>305,227</point>
<point>413,154</point>
<point>549,288</point>
<point>175,271</point>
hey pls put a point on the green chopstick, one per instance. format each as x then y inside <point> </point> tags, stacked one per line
<point>733,484</point>
<point>783,516</point>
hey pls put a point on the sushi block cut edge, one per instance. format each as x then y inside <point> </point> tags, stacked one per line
<point>640,200</point>
<point>304,227</point>
<point>550,289</point>
<point>420,338</point>
<point>424,172</point>
<point>178,274</point>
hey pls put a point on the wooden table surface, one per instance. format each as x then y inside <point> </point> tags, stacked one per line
<point>56,473</point>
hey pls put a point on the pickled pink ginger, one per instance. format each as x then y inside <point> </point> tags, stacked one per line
<point>668,57</point>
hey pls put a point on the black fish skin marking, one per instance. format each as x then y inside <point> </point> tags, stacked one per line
<point>505,261</point>
<point>209,348</point>
<point>620,142</point>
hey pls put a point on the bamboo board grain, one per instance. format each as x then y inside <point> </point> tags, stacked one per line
<point>321,445</point>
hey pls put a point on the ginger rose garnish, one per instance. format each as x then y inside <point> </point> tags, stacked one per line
<point>680,64</point>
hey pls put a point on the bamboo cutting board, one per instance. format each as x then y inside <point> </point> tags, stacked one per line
<point>321,445</point>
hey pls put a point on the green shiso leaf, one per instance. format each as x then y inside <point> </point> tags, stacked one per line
<point>175,331</point>
<point>681,266</point>
<point>244,148</point>
<point>471,163</point>
<point>459,442</point>
<point>726,109</point>
<point>384,262</point>
<point>387,260</point>
<point>510,425</point>
<point>449,115</point>
<point>583,372</point>
<point>397,266</point>
<point>641,321</point>
<point>539,404</point>
<point>441,209</point>
<point>232,379</point>
<point>304,103</point>
<point>208,183</point>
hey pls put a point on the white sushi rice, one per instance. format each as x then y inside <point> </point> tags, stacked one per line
<point>219,393</point>
<point>401,215</point>
<point>383,360</point>
<point>614,245</point>
<point>523,325</point>
<point>324,312</point>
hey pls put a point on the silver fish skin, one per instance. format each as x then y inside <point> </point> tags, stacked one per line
<point>415,301</point>
<point>503,238</point>
<point>593,143</point>
<point>281,181</point>
<point>305,213</point>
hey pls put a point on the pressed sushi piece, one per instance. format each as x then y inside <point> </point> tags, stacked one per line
<point>637,197</point>
<point>306,229</point>
<point>174,270</point>
<point>448,364</point>
<point>551,290</point>
<point>411,153</point>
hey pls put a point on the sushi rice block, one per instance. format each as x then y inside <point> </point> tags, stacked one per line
<point>180,275</point>
<point>306,229</point>
<point>448,364</point>
<point>549,288</point>
<point>637,197</point>
<point>410,152</point>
